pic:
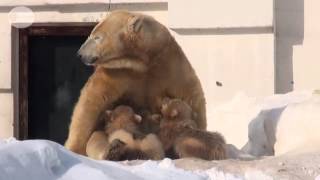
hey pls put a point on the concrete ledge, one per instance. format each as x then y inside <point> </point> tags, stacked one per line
<point>224,31</point>
<point>3,91</point>
<point>12,3</point>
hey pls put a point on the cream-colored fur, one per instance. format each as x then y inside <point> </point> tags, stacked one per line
<point>97,145</point>
<point>125,64</point>
<point>152,146</point>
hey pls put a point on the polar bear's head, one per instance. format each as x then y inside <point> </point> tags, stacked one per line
<point>124,39</point>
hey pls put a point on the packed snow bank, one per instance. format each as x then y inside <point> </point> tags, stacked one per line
<point>40,159</point>
<point>251,123</point>
<point>298,128</point>
<point>231,119</point>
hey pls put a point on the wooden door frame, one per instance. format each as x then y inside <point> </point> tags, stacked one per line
<point>20,61</point>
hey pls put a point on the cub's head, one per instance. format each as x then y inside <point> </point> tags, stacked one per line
<point>122,117</point>
<point>124,40</point>
<point>176,109</point>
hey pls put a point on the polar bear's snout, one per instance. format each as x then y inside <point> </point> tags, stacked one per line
<point>87,52</point>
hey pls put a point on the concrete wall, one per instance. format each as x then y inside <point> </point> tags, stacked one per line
<point>306,61</point>
<point>231,47</point>
<point>220,14</point>
<point>6,115</point>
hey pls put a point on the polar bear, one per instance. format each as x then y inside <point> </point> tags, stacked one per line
<point>138,62</point>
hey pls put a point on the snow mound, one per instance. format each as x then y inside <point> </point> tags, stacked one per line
<point>41,159</point>
<point>251,123</point>
<point>298,128</point>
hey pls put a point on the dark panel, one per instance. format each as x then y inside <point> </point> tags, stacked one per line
<point>56,77</point>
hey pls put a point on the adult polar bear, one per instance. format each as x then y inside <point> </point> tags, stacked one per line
<point>137,60</point>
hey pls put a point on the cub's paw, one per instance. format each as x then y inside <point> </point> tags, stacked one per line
<point>117,143</point>
<point>115,150</point>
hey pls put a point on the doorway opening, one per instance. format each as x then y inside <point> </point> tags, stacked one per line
<point>50,78</point>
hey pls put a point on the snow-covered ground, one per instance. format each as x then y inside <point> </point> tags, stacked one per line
<point>45,160</point>
<point>286,126</point>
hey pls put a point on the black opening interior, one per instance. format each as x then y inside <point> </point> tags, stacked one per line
<point>56,76</point>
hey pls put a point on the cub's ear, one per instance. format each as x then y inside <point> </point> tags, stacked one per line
<point>137,118</point>
<point>135,23</point>
<point>155,117</point>
<point>174,113</point>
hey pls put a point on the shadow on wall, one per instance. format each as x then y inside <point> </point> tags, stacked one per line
<point>289,24</point>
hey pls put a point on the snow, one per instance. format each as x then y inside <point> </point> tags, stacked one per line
<point>284,125</point>
<point>287,123</point>
<point>298,128</point>
<point>42,159</point>
<point>250,123</point>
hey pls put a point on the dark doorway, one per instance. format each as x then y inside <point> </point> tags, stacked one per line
<point>56,77</point>
<point>50,79</point>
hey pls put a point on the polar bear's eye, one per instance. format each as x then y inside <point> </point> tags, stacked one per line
<point>97,38</point>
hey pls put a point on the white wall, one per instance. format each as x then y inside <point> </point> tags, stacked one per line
<point>240,62</point>
<point>6,115</point>
<point>306,61</point>
<point>236,51</point>
<point>231,46</point>
<point>220,14</point>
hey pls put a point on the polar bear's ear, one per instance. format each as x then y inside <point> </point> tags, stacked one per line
<point>135,23</point>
